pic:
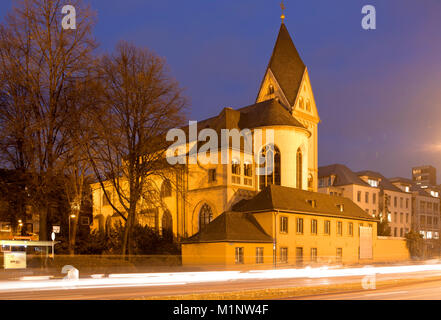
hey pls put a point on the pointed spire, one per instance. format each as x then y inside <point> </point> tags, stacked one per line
<point>287,65</point>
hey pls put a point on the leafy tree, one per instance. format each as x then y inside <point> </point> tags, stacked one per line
<point>415,244</point>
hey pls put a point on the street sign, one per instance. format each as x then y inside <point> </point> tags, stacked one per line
<point>56,229</point>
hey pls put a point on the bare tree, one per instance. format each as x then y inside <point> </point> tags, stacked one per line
<point>44,62</point>
<point>140,103</point>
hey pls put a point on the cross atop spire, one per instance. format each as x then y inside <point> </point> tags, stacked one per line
<point>282,6</point>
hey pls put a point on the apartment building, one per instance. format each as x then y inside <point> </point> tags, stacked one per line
<point>339,180</point>
<point>371,191</point>
<point>424,176</point>
<point>425,208</point>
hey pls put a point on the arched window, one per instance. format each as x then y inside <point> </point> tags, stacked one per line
<point>205,216</point>
<point>299,170</point>
<point>308,105</point>
<point>270,89</point>
<point>167,225</point>
<point>166,189</point>
<point>301,103</point>
<point>270,166</point>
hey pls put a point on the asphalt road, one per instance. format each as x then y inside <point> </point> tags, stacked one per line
<point>419,291</point>
<point>423,290</point>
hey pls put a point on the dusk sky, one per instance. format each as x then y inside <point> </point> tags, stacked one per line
<point>378,92</point>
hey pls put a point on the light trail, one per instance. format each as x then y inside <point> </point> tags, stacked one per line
<point>181,278</point>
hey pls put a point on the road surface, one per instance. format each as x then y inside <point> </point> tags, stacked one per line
<point>418,291</point>
<point>162,285</point>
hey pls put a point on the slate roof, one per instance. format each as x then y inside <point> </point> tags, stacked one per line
<point>295,200</point>
<point>232,227</point>
<point>343,175</point>
<point>385,183</point>
<point>287,65</point>
<point>266,113</point>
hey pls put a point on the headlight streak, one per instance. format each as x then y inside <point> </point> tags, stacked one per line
<point>181,278</point>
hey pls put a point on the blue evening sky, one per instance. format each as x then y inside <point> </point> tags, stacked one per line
<point>378,92</point>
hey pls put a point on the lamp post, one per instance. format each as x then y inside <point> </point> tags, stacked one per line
<point>75,207</point>
<point>72,216</point>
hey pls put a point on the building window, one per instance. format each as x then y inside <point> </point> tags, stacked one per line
<point>395,217</point>
<point>248,173</point>
<point>407,203</point>
<point>105,200</point>
<point>359,196</point>
<point>259,255</point>
<point>299,168</point>
<point>401,202</point>
<point>351,229</point>
<point>205,216</point>
<point>429,220</point>
<point>313,254</point>
<point>422,220</point>
<point>271,166</point>
<point>235,171</point>
<point>395,232</point>
<point>166,189</point>
<point>302,103</point>
<point>299,226</point>
<point>308,105</point>
<point>366,197</point>
<point>283,224</point>
<point>339,255</point>
<point>407,217</point>
<point>212,176</point>
<point>327,227</point>
<point>284,255</point>
<point>310,182</point>
<point>313,226</point>
<point>374,198</point>
<point>299,256</point>
<point>339,228</point>
<point>270,89</point>
<point>373,183</point>
<point>167,225</point>
<point>401,217</point>
<point>395,202</point>
<point>239,255</point>
<point>84,221</point>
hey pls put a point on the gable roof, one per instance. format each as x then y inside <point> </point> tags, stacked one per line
<point>287,65</point>
<point>343,175</point>
<point>232,227</point>
<point>384,182</point>
<point>274,198</point>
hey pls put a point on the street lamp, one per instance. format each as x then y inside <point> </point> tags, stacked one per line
<point>72,216</point>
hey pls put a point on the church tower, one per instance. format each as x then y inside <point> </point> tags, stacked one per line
<point>287,80</point>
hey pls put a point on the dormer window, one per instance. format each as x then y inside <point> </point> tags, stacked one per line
<point>341,207</point>
<point>373,183</point>
<point>406,188</point>
<point>312,203</point>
